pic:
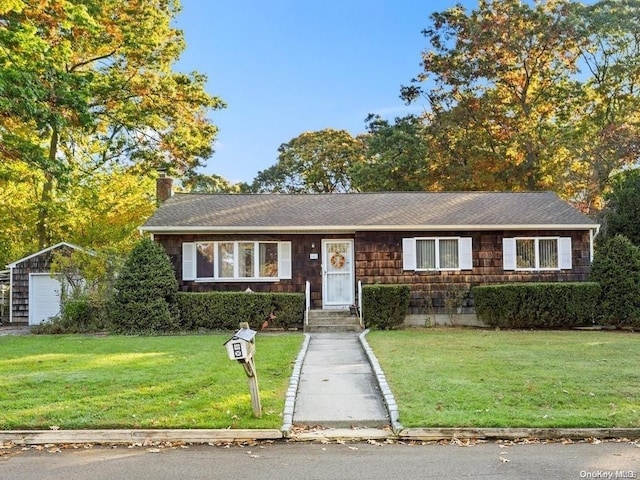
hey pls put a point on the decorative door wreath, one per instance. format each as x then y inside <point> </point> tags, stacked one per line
<point>337,260</point>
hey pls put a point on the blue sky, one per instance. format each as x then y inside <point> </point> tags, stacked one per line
<point>289,66</point>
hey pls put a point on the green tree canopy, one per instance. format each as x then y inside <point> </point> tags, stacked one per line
<point>396,156</point>
<point>313,162</point>
<point>202,183</point>
<point>622,212</point>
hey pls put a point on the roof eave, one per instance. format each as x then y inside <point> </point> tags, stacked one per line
<point>174,230</point>
<point>48,249</point>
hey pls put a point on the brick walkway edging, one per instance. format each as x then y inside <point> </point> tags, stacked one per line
<point>290,397</point>
<point>389,400</point>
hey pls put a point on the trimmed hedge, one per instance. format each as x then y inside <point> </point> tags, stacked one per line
<point>537,305</point>
<point>385,306</point>
<point>225,310</point>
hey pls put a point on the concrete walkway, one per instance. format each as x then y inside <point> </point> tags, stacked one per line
<point>337,386</point>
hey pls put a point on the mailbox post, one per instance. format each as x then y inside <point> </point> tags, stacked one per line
<point>241,347</point>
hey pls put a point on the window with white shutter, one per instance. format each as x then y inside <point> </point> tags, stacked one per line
<point>437,253</point>
<point>536,253</point>
<point>234,261</point>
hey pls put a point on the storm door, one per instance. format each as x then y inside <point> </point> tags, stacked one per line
<point>337,270</point>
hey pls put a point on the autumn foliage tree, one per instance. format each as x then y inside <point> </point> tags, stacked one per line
<point>87,88</point>
<point>530,96</point>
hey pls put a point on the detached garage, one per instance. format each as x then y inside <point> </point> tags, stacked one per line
<point>35,294</point>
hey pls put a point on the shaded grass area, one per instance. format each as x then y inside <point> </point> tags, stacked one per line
<point>476,378</point>
<point>76,382</point>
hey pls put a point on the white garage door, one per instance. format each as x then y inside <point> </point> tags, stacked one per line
<point>44,298</point>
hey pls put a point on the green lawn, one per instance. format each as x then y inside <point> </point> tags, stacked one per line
<point>477,378</point>
<point>440,377</point>
<point>139,382</point>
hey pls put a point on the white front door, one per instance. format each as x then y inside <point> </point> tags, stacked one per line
<point>44,297</point>
<point>337,270</point>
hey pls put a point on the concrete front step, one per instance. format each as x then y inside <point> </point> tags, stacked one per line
<point>332,321</point>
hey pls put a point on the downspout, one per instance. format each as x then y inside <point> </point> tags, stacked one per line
<point>593,233</point>
<point>10,295</point>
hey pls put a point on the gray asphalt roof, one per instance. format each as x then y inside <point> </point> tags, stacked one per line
<point>364,211</point>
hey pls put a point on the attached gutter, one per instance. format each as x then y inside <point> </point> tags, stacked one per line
<point>176,230</point>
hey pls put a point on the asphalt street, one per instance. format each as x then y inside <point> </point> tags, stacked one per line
<point>324,461</point>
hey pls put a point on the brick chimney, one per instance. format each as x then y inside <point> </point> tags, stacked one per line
<point>164,187</point>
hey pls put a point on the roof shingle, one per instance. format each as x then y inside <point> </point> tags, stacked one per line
<point>364,211</point>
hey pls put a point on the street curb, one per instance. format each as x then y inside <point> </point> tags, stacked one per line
<point>143,436</point>
<point>389,399</point>
<point>214,436</point>
<point>517,433</point>
<point>290,398</point>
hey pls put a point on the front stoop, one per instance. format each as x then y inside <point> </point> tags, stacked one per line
<point>329,321</point>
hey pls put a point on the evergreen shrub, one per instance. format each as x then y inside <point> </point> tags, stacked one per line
<point>616,267</point>
<point>145,296</point>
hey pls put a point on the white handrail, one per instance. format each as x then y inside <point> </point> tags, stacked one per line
<point>307,302</point>
<point>360,305</point>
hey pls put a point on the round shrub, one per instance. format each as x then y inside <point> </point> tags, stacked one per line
<point>616,267</point>
<point>145,294</point>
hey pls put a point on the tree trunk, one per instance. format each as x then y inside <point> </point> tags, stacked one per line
<point>42,224</point>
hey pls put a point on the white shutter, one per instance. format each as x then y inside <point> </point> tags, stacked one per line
<point>408,253</point>
<point>564,249</point>
<point>509,253</point>
<point>284,259</point>
<point>188,261</point>
<point>465,253</point>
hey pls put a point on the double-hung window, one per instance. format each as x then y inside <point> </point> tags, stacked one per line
<point>436,253</point>
<point>236,260</point>
<point>536,253</point>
